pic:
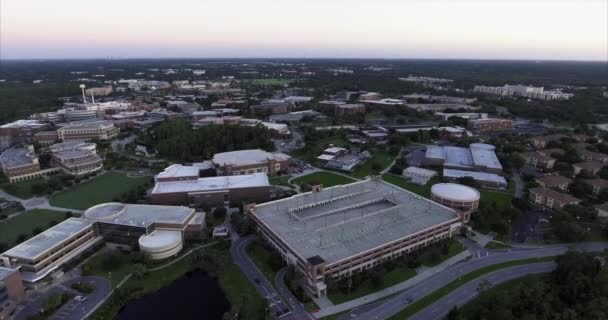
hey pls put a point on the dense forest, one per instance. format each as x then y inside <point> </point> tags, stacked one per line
<point>176,140</point>
<point>576,289</point>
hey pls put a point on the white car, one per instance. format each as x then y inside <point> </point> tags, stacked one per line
<point>80,298</point>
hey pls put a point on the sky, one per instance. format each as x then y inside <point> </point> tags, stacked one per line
<point>443,29</point>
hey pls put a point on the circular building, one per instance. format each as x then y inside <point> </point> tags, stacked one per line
<point>161,244</point>
<point>459,197</point>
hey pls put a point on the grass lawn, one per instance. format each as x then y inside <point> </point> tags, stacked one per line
<point>391,278</point>
<point>233,282</point>
<point>21,189</point>
<point>280,181</point>
<point>327,179</point>
<point>119,270</point>
<point>312,151</point>
<point>493,245</point>
<point>26,222</point>
<point>502,199</point>
<point>381,157</point>
<point>103,188</point>
<point>439,293</point>
<point>454,248</point>
<point>260,256</point>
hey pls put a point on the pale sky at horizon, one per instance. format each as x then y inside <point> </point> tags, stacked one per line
<point>469,29</point>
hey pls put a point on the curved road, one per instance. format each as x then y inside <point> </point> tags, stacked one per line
<point>440,308</point>
<point>398,302</point>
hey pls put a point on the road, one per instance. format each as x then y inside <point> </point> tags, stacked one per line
<point>440,308</point>
<point>398,302</point>
<point>519,184</point>
<point>256,277</point>
<point>298,309</point>
<point>72,310</point>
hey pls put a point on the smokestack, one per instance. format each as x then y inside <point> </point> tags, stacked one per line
<point>92,97</point>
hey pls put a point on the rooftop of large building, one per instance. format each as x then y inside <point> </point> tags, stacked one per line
<point>244,157</point>
<point>178,170</point>
<point>17,156</point>
<point>24,123</point>
<point>342,221</point>
<point>478,154</point>
<point>479,176</point>
<point>48,239</point>
<point>88,124</point>
<point>139,215</point>
<point>213,183</point>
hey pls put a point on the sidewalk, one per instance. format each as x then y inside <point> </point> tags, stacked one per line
<point>423,273</point>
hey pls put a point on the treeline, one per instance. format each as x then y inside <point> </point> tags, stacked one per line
<point>20,100</point>
<point>576,289</point>
<point>176,140</point>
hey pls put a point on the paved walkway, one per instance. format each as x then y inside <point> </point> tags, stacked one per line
<point>423,273</point>
<point>36,203</point>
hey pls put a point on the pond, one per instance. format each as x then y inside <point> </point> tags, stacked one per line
<point>196,295</point>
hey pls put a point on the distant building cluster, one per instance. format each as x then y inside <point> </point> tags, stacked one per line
<point>524,91</point>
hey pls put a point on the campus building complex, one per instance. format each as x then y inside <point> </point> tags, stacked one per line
<point>335,232</point>
<point>20,164</point>
<point>478,157</point>
<point>158,230</point>
<point>88,130</point>
<point>524,91</point>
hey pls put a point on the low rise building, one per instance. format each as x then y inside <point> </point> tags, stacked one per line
<point>213,191</point>
<point>11,292</point>
<point>20,163</point>
<point>268,108</point>
<point>550,198</point>
<point>46,138</point>
<point>602,210</point>
<point>478,157</point>
<point>554,181</point>
<point>490,124</point>
<point>76,158</point>
<point>343,110</point>
<point>484,179</point>
<point>250,161</point>
<point>597,185</point>
<point>418,175</point>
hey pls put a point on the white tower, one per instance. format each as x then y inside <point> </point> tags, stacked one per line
<point>84,98</point>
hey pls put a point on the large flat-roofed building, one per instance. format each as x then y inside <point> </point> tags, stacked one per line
<point>158,230</point>
<point>19,131</point>
<point>484,179</point>
<point>478,157</point>
<point>178,172</point>
<point>213,191</point>
<point>268,108</point>
<point>88,130</point>
<point>45,252</point>
<point>20,164</point>
<point>342,110</point>
<point>338,231</point>
<point>76,158</point>
<point>250,161</point>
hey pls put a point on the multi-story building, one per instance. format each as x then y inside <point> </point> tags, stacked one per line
<point>99,91</point>
<point>250,161</point>
<point>591,167</point>
<point>268,108</point>
<point>46,138</point>
<point>485,125</point>
<point>335,232</point>
<point>76,158</point>
<point>11,292</point>
<point>550,198</point>
<point>554,181</point>
<point>20,164</point>
<point>342,110</point>
<point>88,130</point>
<point>539,160</point>
<point>19,131</point>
